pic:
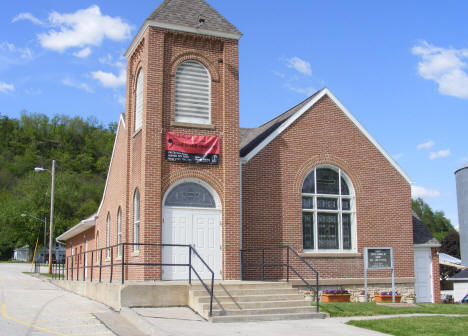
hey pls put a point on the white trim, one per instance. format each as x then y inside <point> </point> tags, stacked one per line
<point>306,107</point>
<point>82,226</point>
<point>121,120</point>
<point>171,26</point>
<point>207,186</point>
<point>426,245</point>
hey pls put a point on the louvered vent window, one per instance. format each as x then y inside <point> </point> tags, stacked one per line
<point>192,93</point>
<point>139,101</point>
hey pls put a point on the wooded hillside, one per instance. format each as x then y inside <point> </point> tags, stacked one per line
<point>82,150</point>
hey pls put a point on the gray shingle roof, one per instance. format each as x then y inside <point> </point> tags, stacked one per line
<point>189,12</point>
<point>460,275</point>
<point>251,137</point>
<point>421,234</point>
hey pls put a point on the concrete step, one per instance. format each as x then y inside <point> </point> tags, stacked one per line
<point>249,298</point>
<point>243,285</point>
<point>266,317</point>
<point>246,291</point>
<point>257,304</point>
<point>265,311</point>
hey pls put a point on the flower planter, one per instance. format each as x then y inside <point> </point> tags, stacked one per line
<point>386,298</point>
<point>336,297</point>
<point>362,298</point>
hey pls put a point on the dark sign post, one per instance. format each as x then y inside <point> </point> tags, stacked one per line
<point>379,258</point>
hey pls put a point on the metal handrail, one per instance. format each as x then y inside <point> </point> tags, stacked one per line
<point>81,258</point>
<point>287,265</point>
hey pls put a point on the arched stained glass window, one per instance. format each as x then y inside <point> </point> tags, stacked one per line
<point>328,216</point>
<point>139,100</point>
<point>190,194</point>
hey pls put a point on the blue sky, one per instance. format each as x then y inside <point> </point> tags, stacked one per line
<point>400,67</point>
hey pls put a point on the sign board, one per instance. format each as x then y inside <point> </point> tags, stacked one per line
<point>192,148</point>
<point>379,257</point>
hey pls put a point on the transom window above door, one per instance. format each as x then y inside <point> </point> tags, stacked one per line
<point>328,210</point>
<point>191,195</point>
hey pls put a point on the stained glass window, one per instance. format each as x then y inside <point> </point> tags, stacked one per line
<point>190,194</point>
<point>327,210</point>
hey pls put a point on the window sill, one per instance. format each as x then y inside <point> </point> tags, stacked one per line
<point>135,253</point>
<point>331,254</point>
<point>190,125</point>
<point>138,131</point>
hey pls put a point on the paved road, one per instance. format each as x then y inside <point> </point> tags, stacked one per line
<point>31,306</point>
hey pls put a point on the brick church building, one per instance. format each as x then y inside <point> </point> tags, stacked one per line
<point>184,172</point>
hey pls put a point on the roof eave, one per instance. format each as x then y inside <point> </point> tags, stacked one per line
<point>170,26</point>
<point>427,245</point>
<point>78,228</point>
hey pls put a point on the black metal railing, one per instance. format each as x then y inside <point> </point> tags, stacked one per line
<point>285,252</point>
<point>81,262</point>
<point>58,271</point>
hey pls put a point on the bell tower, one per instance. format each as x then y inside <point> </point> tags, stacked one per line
<point>182,83</point>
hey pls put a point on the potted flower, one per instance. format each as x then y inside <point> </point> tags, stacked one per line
<point>338,295</point>
<point>411,298</point>
<point>386,297</point>
<point>309,295</point>
<point>362,296</point>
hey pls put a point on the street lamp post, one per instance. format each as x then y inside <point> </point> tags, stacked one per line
<point>51,220</point>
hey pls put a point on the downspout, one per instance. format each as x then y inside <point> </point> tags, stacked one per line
<point>240,217</point>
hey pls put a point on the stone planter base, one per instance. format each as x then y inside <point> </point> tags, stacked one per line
<point>386,298</point>
<point>336,297</point>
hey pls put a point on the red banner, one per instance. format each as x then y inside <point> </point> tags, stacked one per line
<point>192,148</point>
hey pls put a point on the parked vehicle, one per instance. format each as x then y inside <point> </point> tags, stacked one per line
<point>465,299</point>
<point>446,298</point>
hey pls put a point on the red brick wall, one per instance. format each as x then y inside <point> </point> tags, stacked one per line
<point>435,275</point>
<point>158,54</point>
<point>272,182</point>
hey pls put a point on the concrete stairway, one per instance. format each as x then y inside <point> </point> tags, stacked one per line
<point>252,301</point>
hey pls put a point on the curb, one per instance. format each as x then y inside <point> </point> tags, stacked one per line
<point>137,320</point>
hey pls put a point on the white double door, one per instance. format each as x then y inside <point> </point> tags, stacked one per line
<point>199,228</point>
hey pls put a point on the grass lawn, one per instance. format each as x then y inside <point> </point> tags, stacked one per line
<point>370,308</point>
<point>42,274</point>
<point>418,325</point>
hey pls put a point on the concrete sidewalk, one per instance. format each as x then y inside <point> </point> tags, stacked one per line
<point>184,322</point>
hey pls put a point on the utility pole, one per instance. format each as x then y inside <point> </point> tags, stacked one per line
<point>51,221</point>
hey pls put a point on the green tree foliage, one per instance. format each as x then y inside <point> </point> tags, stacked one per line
<point>451,246</point>
<point>435,221</point>
<point>82,150</point>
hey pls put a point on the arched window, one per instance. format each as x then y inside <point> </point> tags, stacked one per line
<point>328,215</point>
<point>139,100</point>
<point>190,195</point>
<point>119,232</point>
<point>136,220</point>
<point>108,225</point>
<point>192,93</point>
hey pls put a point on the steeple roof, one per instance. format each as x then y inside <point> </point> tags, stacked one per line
<point>196,14</point>
<point>193,16</point>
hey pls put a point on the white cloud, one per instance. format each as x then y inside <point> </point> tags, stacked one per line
<point>428,144</point>
<point>445,66</point>
<point>5,87</point>
<point>299,65</point>
<point>398,156</point>
<point>110,80</point>
<point>121,99</point>
<point>85,27</point>
<point>83,53</point>
<point>33,92</point>
<point>439,154</point>
<point>307,90</point>
<point>13,51</point>
<point>417,191</point>
<point>77,85</point>
<point>28,17</point>
<point>106,59</point>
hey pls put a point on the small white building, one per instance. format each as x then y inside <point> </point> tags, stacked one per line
<point>21,253</point>
<point>460,285</point>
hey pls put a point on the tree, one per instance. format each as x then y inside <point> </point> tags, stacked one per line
<point>436,221</point>
<point>451,246</point>
<point>82,149</point>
